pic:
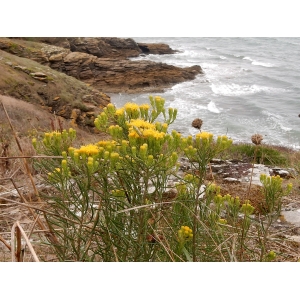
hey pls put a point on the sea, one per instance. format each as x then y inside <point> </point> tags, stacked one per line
<point>250,85</point>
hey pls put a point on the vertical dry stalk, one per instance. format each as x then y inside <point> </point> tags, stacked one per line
<point>248,193</point>
<point>19,245</point>
<point>20,232</point>
<point>256,140</point>
<point>21,150</point>
<point>50,235</point>
<point>5,243</point>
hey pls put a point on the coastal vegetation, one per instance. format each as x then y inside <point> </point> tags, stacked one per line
<point>83,180</point>
<point>123,197</point>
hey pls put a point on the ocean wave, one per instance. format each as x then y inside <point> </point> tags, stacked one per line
<point>277,120</point>
<point>239,90</point>
<point>209,65</point>
<point>248,58</point>
<point>211,106</point>
<point>258,63</point>
<point>223,57</point>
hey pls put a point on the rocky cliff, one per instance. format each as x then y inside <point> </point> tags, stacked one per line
<point>71,76</point>
<point>103,62</point>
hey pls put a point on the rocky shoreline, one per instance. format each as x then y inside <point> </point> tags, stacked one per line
<point>71,77</point>
<point>104,63</point>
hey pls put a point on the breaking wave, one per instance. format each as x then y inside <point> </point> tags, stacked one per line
<point>239,90</point>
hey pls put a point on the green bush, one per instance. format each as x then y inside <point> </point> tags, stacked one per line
<point>110,201</point>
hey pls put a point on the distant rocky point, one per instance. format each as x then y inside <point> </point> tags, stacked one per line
<point>73,76</point>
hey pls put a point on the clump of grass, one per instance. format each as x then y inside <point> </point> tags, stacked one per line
<point>265,154</point>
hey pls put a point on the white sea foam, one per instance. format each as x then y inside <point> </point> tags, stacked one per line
<point>209,65</point>
<point>223,57</point>
<point>257,63</point>
<point>211,106</point>
<point>239,90</point>
<point>277,120</point>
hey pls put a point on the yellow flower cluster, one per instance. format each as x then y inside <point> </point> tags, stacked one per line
<point>144,107</point>
<point>271,256</point>
<point>148,133</point>
<point>143,129</point>
<point>119,112</point>
<point>247,208</point>
<point>223,221</point>
<point>107,144</point>
<point>52,134</point>
<point>89,150</point>
<point>140,124</point>
<point>185,234</point>
<point>130,106</point>
<point>204,135</point>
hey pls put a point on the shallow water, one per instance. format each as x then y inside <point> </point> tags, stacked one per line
<point>250,85</point>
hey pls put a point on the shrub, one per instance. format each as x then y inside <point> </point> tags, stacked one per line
<point>111,200</point>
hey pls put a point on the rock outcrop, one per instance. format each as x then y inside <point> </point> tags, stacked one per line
<point>36,69</point>
<point>156,48</point>
<point>51,90</point>
<point>103,62</point>
<point>107,47</point>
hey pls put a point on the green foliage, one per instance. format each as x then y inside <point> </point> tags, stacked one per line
<point>111,200</point>
<point>265,154</point>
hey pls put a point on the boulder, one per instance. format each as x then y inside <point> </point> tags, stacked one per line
<point>159,48</point>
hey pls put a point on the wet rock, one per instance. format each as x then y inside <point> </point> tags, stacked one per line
<point>282,173</point>
<point>148,48</point>
<point>231,180</point>
<point>292,217</point>
<point>217,161</point>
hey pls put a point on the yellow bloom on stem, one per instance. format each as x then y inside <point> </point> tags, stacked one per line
<point>185,234</point>
<point>89,150</point>
<point>204,135</point>
<point>154,134</point>
<point>140,124</point>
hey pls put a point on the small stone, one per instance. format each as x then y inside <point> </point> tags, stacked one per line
<point>38,74</point>
<point>231,180</point>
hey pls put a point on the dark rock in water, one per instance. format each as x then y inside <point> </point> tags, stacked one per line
<point>156,48</point>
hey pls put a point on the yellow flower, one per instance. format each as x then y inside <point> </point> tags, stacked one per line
<point>89,150</point>
<point>119,112</point>
<point>204,135</point>
<point>247,208</point>
<point>185,234</point>
<point>107,144</point>
<point>154,134</point>
<point>131,105</point>
<point>133,134</point>
<point>223,221</point>
<point>144,106</point>
<point>141,124</point>
<point>131,108</point>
